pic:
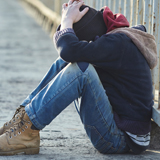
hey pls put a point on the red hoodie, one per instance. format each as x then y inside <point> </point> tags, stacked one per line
<point>114,21</point>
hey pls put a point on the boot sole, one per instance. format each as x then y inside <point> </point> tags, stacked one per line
<point>28,151</point>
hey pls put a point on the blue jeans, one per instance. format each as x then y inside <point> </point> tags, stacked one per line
<point>68,82</point>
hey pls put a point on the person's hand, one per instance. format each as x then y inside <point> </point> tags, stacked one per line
<point>71,13</point>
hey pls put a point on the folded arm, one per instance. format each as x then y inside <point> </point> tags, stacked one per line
<point>106,48</point>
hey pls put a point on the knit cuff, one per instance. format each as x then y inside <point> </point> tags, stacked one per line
<point>58,34</point>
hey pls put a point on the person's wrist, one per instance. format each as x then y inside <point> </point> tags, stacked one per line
<point>66,23</point>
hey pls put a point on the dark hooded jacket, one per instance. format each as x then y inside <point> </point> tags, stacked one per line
<point>123,59</point>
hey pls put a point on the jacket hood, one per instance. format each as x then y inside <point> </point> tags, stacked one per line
<point>114,21</point>
<point>144,41</point>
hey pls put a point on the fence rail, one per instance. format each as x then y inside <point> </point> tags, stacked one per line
<point>146,12</point>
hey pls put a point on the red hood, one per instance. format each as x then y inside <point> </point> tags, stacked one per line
<point>114,21</point>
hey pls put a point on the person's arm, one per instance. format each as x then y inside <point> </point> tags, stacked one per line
<point>72,50</point>
<point>106,48</point>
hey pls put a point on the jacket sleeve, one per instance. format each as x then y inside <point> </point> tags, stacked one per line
<point>104,49</point>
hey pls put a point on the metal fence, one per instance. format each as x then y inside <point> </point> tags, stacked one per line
<point>146,12</point>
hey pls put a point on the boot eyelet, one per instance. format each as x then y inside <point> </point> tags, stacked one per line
<point>26,127</point>
<point>10,137</point>
<point>9,122</point>
<point>14,120</point>
<point>15,135</point>
<point>19,133</point>
<point>23,130</point>
<point>6,124</point>
<point>28,122</point>
<point>17,117</point>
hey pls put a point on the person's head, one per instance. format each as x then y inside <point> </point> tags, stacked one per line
<point>96,23</point>
<point>91,25</point>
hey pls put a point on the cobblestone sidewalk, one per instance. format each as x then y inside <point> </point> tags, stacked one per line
<point>26,53</point>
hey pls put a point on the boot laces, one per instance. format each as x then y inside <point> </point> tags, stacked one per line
<point>18,127</point>
<point>14,116</point>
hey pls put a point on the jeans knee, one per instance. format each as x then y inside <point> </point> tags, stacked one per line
<point>83,66</point>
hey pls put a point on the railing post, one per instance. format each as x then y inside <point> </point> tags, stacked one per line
<point>158,51</point>
<point>134,12</point>
<point>140,11</point>
<point>154,31</point>
<point>147,15</point>
<point>116,6</point>
<point>91,3</point>
<point>97,5</point>
<point>107,3</point>
<point>128,10</point>
<point>122,7</point>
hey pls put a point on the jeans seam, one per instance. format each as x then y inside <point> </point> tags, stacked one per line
<point>93,127</point>
<point>122,144</point>
<point>76,77</point>
<point>118,149</point>
<point>99,108</point>
<point>34,120</point>
<point>57,71</point>
<point>96,102</point>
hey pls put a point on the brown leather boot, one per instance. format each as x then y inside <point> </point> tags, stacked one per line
<point>14,120</point>
<point>20,139</point>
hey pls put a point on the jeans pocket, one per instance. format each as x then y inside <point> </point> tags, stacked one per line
<point>98,141</point>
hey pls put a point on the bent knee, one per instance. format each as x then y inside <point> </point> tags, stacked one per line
<point>83,66</point>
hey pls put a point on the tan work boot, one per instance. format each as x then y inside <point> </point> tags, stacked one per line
<point>20,139</point>
<point>14,120</point>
